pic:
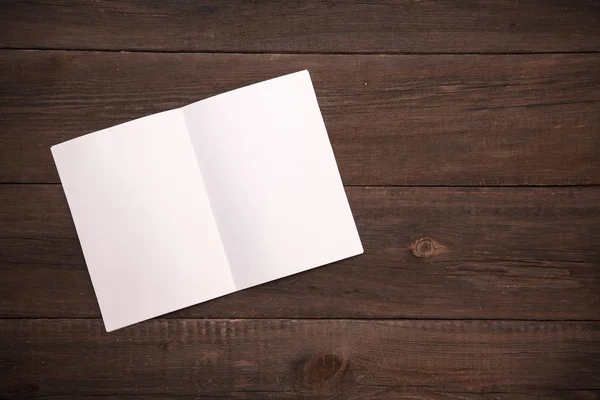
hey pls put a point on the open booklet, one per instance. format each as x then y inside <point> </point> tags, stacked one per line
<point>190,204</point>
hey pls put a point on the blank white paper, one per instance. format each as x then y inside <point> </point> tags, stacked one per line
<point>272,179</point>
<point>191,204</point>
<point>143,218</point>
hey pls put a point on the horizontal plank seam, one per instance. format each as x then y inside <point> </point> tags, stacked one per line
<point>416,186</point>
<point>529,263</point>
<point>458,391</point>
<point>476,261</point>
<point>443,389</point>
<point>227,394</point>
<point>342,53</point>
<point>382,319</point>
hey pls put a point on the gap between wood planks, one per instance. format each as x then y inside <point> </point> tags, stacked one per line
<point>306,53</point>
<point>541,185</point>
<point>166,317</point>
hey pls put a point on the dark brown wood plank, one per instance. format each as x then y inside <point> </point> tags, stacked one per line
<point>363,392</point>
<point>303,26</point>
<point>393,120</point>
<point>517,253</point>
<point>311,358</point>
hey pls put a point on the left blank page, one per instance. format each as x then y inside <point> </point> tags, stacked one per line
<point>143,218</point>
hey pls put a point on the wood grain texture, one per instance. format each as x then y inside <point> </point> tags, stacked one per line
<point>303,26</point>
<point>393,120</point>
<point>526,253</point>
<point>462,293</point>
<point>334,359</point>
<point>357,393</point>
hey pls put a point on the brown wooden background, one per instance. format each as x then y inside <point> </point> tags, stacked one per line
<point>467,134</point>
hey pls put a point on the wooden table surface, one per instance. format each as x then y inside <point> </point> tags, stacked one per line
<point>468,137</point>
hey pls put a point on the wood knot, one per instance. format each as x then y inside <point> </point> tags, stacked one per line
<point>426,248</point>
<point>324,368</point>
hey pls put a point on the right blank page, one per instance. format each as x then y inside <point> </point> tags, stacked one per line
<point>272,180</point>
